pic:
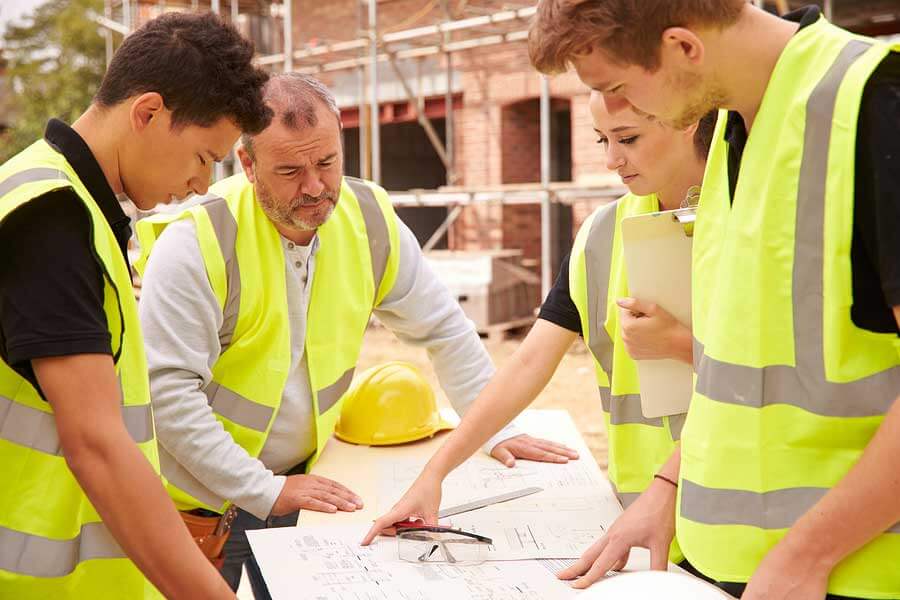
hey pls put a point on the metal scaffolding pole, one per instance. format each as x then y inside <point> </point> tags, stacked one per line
<point>218,168</point>
<point>546,253</point>
<point>235,10</point>
<point>828,9</point>
<point>288,35</point>
<point>420,98</point>
<point>448,101</point>
<point>373,90</point>
<point>364,170</point>
<point>107,33</point>
<point>362,104</point>
<point>448,122</point>
<point>126,15</point>
<point>442,228</point>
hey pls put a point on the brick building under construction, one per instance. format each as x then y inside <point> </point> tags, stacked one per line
<point>461,141</point>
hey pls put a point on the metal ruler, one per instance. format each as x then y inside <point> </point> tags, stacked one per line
<point>469,506</point>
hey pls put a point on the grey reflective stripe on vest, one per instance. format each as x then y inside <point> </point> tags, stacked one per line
<point>378,235</point>
<point>32,428</point>
<point>778,509</point>
<point>237,408</point>
<point>224,401</point>
<point>805,386</point>
<point>329,396</point>
<point>676,424</point>
<point>225,227</point>
<point>30,176</point>
<point>37,556</point>
<point>779,384</point>
<point>182,479</point>
<point>625,409</point>
<point>626,499</point>
<point>598,263</point>
<point>376,228</point>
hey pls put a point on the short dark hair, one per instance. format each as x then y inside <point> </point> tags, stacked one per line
<point>294,98</point>
<point>200,66</point>
<point>703,136</point>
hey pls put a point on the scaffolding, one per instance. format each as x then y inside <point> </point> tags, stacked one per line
<point>363,55</point>
<point>498,24</point>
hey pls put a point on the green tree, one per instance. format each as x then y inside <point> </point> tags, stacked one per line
<point>56,59</point>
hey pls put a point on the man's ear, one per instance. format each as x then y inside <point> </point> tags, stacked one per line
<point>683,46</point>
<point>691,130</point>
<point>146,110</point>
<point>246,163</point>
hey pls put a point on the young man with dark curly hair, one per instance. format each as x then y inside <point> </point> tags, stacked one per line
<point>83,513</point>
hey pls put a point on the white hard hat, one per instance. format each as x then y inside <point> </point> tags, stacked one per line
<point>653,585</point>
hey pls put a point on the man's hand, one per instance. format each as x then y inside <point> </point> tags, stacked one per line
<point>528,448</point>
<point>648,523</point>
<point>421,501</point>
<point>311,492</point>
<point>650,332</point>
<point>788,573</point>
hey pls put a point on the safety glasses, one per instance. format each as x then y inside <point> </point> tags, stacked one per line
<point>435,544</point>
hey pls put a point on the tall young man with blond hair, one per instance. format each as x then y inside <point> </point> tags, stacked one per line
<point>790,455</point>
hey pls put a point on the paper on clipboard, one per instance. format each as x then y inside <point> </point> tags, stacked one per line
<point>658,263</point>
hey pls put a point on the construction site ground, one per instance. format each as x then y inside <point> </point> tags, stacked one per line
<point>572,388</point>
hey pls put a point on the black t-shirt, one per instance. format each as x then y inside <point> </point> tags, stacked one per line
<point>875,250</point>
<point>51,282</point>
<point>558,307</point>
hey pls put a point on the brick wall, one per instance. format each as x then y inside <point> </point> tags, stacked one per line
<point>520,149</point>
<point>499,142</point>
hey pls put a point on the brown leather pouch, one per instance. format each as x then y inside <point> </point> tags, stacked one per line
<point>211,533</point>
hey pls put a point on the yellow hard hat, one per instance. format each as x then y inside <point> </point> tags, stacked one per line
<point>389,404</point>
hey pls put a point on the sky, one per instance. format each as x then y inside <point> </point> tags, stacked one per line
<point>12,10</point>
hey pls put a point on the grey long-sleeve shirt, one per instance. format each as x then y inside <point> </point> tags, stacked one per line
<point>181,319</point>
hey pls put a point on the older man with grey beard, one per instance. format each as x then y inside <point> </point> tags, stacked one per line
<point>254,305</point>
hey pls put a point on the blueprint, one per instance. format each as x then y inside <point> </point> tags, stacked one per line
<point>574,509</point>
<point>325,562</point>
<point>480,477</point>
<point>523,535</point>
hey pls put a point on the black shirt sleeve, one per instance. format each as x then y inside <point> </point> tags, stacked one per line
<point>51,284</point>
<point>876,245</point>
<point>559,308</point>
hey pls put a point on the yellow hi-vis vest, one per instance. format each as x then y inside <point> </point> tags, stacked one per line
<point>52,542</point>
<point>356,267</point>
<point>638,446</point>
<point>789,391</point>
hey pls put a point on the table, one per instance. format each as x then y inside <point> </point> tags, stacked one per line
<point>357,467</point>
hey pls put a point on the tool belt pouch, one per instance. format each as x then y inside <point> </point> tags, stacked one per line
<point>210,533</point>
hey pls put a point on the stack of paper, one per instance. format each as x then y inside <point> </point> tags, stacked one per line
<point>326,562</point>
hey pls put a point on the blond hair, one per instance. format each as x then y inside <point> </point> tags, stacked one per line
<point>627,31</point>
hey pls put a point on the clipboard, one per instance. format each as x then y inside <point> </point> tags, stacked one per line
<point>657,249</point>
